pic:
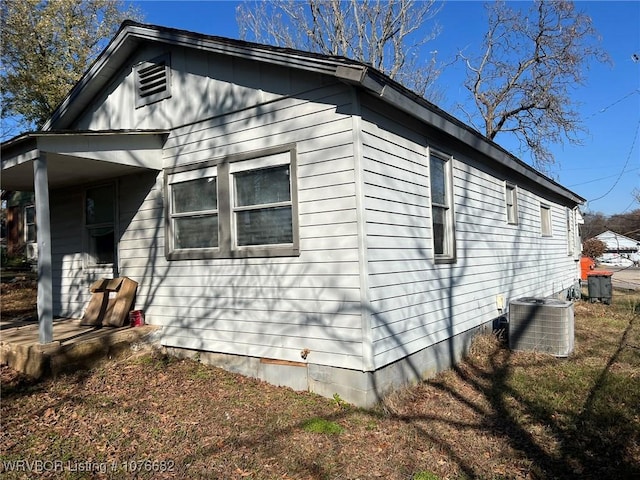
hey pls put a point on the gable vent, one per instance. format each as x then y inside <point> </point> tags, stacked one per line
<point>153,81</point>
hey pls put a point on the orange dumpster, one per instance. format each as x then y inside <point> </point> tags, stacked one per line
<point>586,265</point>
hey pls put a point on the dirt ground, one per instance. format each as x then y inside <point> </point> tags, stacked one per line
<point>625,278</point>
<point>498,415</point>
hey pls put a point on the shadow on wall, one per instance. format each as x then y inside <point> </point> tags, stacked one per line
<point>238,288</point>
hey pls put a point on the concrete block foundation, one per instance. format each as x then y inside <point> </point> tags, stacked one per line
<point>363,389</point>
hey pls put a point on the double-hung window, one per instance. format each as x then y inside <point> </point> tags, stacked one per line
<point>262,207</point>
<point>511,203</point>
<point>30,224</point>
<point>440,173</point>
<point>545,220</point>
<point>239,206</point>
<point>571,232</point>
<point>194,209</point>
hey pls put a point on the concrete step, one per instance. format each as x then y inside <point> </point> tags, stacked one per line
<point>74,346</point>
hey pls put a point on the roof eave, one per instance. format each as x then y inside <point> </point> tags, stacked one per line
<point>394,94</point>
<point>131,34</point>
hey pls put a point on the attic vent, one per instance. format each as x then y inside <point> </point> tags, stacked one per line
<point>153,81</point>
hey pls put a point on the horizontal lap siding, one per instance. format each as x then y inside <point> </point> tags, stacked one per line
<point>264,307</point>
<point>202,85</point>
<point>70,287</point>
<point>416,303</point>
<point>139,232</point>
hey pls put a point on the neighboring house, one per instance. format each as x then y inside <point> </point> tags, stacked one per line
<point>620,249</point>
<point>20,224</point>
<point>292,216</point>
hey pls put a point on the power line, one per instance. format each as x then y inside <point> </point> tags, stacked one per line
<point>602,178</point>
<point>602,110</point>
<point>633,144</point>
<point>628,206</point>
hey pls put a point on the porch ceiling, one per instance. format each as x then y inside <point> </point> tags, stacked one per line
<point>79,158</point>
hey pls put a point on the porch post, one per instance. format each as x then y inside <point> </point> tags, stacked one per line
<point>45,288</point>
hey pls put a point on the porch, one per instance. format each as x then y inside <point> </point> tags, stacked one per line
<point>74,346</point>
<point>44,161</point>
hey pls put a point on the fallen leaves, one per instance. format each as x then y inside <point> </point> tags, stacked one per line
<point>472,421</point>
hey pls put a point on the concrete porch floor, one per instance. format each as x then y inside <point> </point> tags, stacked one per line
<point>74,346</point>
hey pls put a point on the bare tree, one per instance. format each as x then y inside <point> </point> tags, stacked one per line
<point>388,35</point>
<point>522,80</point>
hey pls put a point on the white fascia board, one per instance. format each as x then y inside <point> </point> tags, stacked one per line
<point>89,84</point>
<point>252,52</point>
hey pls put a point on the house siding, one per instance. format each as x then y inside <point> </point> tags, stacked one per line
<point>202,86</point>
<point>416,303</point>
<point>259,307</point>
<point>364,292</point>
<point>70,283</point>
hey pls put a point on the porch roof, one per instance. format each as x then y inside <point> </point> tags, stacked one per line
<point>76,157</point>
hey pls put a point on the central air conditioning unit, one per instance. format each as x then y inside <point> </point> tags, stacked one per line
<point>541,325</point>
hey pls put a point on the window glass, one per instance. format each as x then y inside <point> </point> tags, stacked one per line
<point>438,181</point>
<point>100,215</point>
<point>102,245</point>
<point>255,224</point>
<point>100,205</point>
<point>31,233</point>
<point>198,232</point>
<point>195,195</point>
<point>265,226</point>
<point>194,213</point>
<point>260,187</point>
<point>439,230</point>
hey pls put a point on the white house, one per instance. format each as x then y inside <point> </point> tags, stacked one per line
<point>296,217</point>
<point>621,250</point>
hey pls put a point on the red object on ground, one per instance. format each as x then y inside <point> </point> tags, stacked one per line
<point>586,264</point>
<point>136,318</point>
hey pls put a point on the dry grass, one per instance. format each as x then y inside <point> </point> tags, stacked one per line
<point>18,299</point>
<point>499,414</point>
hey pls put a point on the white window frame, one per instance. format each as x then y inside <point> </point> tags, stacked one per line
<point>182,177</point>
<point>511,203</point>
<point>449,237</point>
<point>546,224</point>
<point>225,169</point>
<point>89,260</point>
<point>572,233</point>
<point>276,160</point>
<point>27,224</point>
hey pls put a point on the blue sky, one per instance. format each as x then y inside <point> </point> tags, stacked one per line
<point>605,169</point>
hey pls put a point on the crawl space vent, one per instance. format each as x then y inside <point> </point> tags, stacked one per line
<point>541,325</point>
<point>153,81</point>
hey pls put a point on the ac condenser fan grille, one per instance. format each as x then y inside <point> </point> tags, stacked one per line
<point>542,325</point>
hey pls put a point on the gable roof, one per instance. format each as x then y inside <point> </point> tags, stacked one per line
<point>132,34</point>
<point>616,241</point>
